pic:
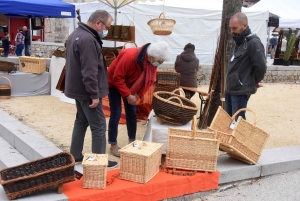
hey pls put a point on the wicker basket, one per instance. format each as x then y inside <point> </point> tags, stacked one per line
<point>38,175</point>
<point>192,149</point>
<point>109,58</point>
<point>32,64</point>
<point>173,108</point>
<point>161,25</point>
<point>167,81</point>
<point>5,89</point>
<point>119,50</point>
<point>6,66</point>
<point>140,163</point>
<point>94,170</point>
<point>245,141</point>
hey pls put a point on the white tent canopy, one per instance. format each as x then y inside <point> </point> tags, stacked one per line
<point>197,22</point>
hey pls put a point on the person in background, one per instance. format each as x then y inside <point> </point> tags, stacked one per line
<point>6,44</point>
<point>130,75</point>
<point>19,41</point>
<point>247,66</point>
<point>283,45</point>
<point>86,82</point>
<point>27,41</point>
<point>273,43</point>
<point>187,65</point>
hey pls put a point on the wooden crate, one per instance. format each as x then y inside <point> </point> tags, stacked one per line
<point>38,175</point>
<point>192,149</point>
<point>32,64</point>
<point>94,170</point>
<point>140,163</point>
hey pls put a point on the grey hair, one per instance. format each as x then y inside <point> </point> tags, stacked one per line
<point>101,15</point>
<point>160,51</point>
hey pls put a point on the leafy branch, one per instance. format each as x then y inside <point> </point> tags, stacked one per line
<point>291,39</point>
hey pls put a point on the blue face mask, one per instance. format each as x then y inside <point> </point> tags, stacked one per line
<point>103,34</point>
<point>155,63</point>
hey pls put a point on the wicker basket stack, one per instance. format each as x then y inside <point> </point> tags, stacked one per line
<point>192,149</point>
<point>245,141</point>
<point>94,170</point>
<point>140,161</point>
<point>167,81</point>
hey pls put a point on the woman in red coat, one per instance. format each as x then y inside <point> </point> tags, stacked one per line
<point>129,76</point>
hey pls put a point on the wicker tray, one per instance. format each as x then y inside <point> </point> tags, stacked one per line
<point>192,149</point>
<point>32,64</point>
<point>5,89</point>
<point>167,81</point>
<point>6,66</point>
<point>173,108</point>
<point>161,25</point>
<point>37,175</point>
<point>94,170</point>
<point>245,141</point>
<point>140,163</point>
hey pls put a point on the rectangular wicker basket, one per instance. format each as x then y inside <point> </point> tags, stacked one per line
<point>94,170</point>
<point>32,64</point>
<point>38,175</point>
<point>245,141</point>
<point>192,149</point>
<point>140,163</point>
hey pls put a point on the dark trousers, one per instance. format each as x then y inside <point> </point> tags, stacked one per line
<point>27,48</point>
<point>93,117</point>
<point>235,102</point>
<point>19,49</point>
<point>6,51</point>
<point>115,115</point>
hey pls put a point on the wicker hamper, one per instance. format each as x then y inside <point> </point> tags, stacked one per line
<point>140,163</point>
<point>94,170</point>
<point>244,142</point>
<point>161,25</point>
<point>5,89</point>
<point>192,149</point>
<point>32,64</point>
<point>173,108</point>
<point>167,81</point>
<point>38,175</point>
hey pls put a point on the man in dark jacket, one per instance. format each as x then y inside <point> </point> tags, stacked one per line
<point>247,66</point>
<point>27,41</point>
<point>87,83</point>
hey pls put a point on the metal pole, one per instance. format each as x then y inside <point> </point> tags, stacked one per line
<point>115,42</point>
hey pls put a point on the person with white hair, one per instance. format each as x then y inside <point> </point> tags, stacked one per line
<point>130,75</point>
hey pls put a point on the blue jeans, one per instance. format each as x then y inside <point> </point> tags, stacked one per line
<point>115,114</point>
<point>27,48</point>
<point>19,49</point>
<point>235,102</point>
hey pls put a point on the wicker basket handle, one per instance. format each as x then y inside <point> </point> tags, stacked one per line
<point>175,97</point>
<point>180,90</point>
<point>128,42</point>
<point>193,127</point>
<point>162,14</point>
<point>7,80</point>
<point>245,109</point>
<point>107,57</point>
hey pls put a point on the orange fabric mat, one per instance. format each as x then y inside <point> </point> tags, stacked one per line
<point>160,187</point>
<point>143,108</point>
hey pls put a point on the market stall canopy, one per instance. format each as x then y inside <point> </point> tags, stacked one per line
<point>37,8</point>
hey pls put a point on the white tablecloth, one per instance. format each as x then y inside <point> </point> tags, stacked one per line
<point>159,133</point>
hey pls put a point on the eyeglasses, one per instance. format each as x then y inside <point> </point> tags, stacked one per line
<point>107,28</point>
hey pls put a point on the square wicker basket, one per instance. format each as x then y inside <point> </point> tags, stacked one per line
<point>140,163</point>
<point>245,141</point>
<point>94,170</point>
<point>32,64</point>
<point>192,149</point>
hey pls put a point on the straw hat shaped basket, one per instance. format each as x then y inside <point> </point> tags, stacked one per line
<point>161,25</point>
<point>173,108</point>
<point>5,89</point>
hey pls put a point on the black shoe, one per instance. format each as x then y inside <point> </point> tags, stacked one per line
<point>112,164</point>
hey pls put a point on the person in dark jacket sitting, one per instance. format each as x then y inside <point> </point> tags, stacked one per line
<point>6,44</point>
<point>247,66</point>
<point>187,65</point>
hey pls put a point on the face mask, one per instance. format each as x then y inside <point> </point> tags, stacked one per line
<point>103,34</point>
<point>155,63</point>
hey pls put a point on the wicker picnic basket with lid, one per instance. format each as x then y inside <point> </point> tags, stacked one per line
<point>140,163</point>
<point>38,175</point>
<point>5,89</point>
<point>161,25</point>
<point>245,141</point>
<point>94,170</point>
<point>173,108</point>
<point>167,81</point>
<point>192,149</point>
<point>32,64</point>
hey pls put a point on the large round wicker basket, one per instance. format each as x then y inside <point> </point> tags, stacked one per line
<point>5,89</point>
<point>173,108</point>
<point>161,25</point>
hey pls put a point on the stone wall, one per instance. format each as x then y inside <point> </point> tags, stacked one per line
<point>43,49</point>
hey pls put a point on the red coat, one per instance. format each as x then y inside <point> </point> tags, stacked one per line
<point>124,71</point>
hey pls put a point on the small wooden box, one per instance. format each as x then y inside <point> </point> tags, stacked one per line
<point>140,163</point>
<point>94,170</point>
<point>32,64</point>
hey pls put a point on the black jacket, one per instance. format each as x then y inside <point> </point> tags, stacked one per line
<point>27,38</point>
<point>247,67</point>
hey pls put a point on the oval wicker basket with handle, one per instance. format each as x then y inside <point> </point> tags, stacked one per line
<point>119,50</point>
<point>109,58</point>
<point>173,108</point>
<point>5,89</point>
<point>161,25</point>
